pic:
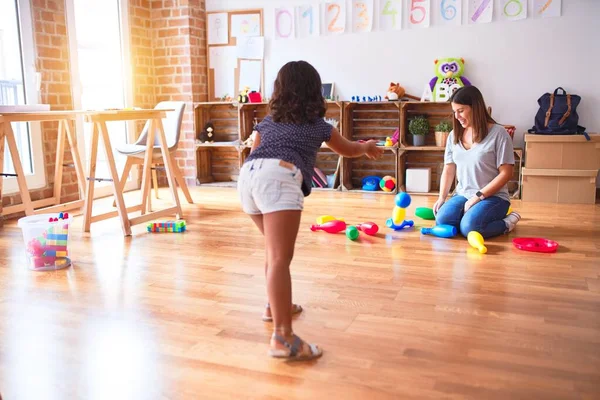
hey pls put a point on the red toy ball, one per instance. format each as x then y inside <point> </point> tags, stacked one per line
<point>539,245</point>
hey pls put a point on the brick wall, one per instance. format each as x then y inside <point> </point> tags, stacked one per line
<point>168,53</point>
<point>52,49</point>
<point>180,66</point>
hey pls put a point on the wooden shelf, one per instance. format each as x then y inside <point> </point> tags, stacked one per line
<point>220,144</point>
<point>423,148</point>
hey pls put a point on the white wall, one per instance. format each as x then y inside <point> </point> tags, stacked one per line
<point>513,63</point>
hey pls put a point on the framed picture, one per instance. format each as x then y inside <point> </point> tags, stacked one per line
<point>327,89</point>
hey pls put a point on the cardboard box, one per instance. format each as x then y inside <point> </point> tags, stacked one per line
<point>418,180</point>
<point>565,186</point>
<point>562,151</point>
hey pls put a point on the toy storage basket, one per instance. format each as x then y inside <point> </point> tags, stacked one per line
<point>46,241</point>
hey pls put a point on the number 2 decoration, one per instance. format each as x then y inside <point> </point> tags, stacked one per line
<point>336,9</point>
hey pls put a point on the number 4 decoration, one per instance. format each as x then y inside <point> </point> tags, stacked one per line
<point>419,13</point>
<point>390,15</point>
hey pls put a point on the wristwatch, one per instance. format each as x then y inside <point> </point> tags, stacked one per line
<point>480,195</point>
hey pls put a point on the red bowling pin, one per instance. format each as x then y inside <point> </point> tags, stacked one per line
<point>370,228</point>
<point>330,227</point>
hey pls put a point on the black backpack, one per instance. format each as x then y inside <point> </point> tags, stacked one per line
<point>558,115</point>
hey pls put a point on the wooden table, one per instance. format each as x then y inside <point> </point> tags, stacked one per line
<point>99,119</point>
<point>64,129</point>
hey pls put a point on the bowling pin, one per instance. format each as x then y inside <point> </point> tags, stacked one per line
<point>443,231</point>
<point>476,240</point>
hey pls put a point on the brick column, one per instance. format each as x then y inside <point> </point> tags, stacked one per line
<point>179,28</point>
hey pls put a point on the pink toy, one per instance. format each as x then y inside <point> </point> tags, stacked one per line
<point>330,227</point>
<point>370,228</point>
<point>396,136</point>
<point>539,245</point>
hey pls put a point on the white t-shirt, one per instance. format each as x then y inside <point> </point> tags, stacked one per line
<point>479,165</point>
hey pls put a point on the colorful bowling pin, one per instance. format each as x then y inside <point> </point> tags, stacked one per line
<point>476,240</point>
<point>443,231</point>
<point>425,213</point>
<point>398,215</point>
<point>405,224</point>
<point>352,233</point>
<point>330,227</point>
<point>326,218</point>
<point>370,228</point>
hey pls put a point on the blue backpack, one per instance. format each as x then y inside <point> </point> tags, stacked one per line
<point>558,115</point>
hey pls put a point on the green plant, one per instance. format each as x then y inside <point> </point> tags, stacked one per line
<point>419,125</point>
<point>443,126</point>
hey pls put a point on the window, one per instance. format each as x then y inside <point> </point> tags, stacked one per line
<point>18,86</point>
<point>100,74</point>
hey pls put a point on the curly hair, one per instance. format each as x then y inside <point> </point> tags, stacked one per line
<point>297,95</point>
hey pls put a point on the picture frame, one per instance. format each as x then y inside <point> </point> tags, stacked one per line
<point>327,90</point>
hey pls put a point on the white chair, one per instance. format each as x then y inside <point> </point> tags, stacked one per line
<point>135,152</point>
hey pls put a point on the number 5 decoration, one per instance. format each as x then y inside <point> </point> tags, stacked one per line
<point>418,13</point>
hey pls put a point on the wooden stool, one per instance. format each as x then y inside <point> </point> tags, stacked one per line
<point>64,130</point>
<point>99,119</point>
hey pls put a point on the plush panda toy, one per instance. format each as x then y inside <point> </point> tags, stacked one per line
<point>448,78</point>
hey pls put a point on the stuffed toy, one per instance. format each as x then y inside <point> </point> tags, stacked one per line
<point>243,97</point>
<point>448,78</point>
<point>395,92</point>
<point>208,133</point>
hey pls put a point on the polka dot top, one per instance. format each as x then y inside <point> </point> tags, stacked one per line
<point>296,144</point>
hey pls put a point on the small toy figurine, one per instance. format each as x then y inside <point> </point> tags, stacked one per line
<point>243,97</point>
<point>207,134</point>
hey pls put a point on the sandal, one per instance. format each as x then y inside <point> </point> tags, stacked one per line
<point>292,354</point>
<point>296,309</point>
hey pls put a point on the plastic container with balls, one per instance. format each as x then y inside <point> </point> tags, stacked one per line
<point>46,239</point>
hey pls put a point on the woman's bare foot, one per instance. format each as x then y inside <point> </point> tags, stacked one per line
<point>296,309</point>
<point>291,347</point>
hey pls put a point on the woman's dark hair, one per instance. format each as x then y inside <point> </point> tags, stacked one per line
<point>297,95</point>
<point>471,96</point>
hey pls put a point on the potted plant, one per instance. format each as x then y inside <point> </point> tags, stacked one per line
<point>418,127</point>
<point>442,130</point>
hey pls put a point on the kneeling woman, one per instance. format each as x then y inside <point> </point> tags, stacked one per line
<point>480,153</point>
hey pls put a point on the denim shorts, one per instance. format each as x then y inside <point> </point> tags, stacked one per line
<point>270,185</point>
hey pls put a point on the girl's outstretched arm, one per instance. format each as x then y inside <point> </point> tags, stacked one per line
<point>350,149</point>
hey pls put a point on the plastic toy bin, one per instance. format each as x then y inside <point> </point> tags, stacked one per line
<point>46,241</point>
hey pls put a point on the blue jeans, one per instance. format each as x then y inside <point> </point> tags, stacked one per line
<point>484,217</point>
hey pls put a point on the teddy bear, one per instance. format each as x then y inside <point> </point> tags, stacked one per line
<point>208,133</point>
<point>395,92</point>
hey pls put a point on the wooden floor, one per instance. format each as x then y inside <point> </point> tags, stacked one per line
<point>177,316</point>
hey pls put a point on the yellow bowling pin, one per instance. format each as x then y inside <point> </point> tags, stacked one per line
<point>326,218</point>
<point>509,210</point>
<point>398,215</point>
<point>476,240</point>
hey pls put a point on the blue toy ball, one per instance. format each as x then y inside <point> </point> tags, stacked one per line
<point>403,200</point>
